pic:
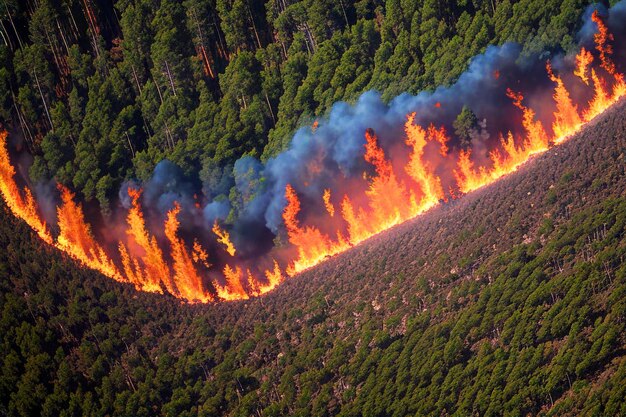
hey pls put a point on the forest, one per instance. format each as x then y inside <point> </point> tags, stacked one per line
<point>509,301</point>
<point>100,92</point>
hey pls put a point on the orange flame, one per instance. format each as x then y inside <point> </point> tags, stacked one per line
<point>75,237</point>
<point>234,289</point>
<point>430,185</point>
<point>23,207</point>
<point>188,282</point>
<point>467,176</point>
<point>536,136</point>
<point>387,196</point>
<point>223,237</point>
<point>439,135</point>
<point>566,118</point>
<point>389,200</point>
<point>602,98</point>
<point>357,229</point>
<point>199,255</point>
<point>133,271</point>
<point>274,277</point>
<point>327,203</point>
<point>583,60</point>
<point>510,158</point>
<point>602,38</point>
<point>312,245</point>
<point>155,270</point>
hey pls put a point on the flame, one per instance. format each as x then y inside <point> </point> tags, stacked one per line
<point>387,195</point>
<point>75,237</point>
<point>467,176</point>
<point>583,60</point>
<point>390,200</point>
<point>234,289</point>
<point>417,168</point>
<point>392,190</point>
<point>223,237</point>
<point>133,271</point>
<point>188,282</point>
<point>440,136</point>
<point>602,38</point>
<point>199,255</point>
<point>566,118</point>
<point>155,270</point>
<point>356,228</point>
<point>510,157</point>
<point>329,206</point>
<point>386,198</point>
<point>536,136</point>
<point>273,276</point>
<point>312,245</point>
<point>23,207</point>
<point>603,98</point>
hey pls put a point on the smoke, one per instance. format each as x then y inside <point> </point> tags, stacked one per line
<point>167,186</point>
<point>337,144</point>
<point>216,210</point>
<point>46,194</point>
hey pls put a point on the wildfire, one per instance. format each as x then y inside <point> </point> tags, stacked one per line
<point>223,237</point>
<point>24,206</point>
<point>602,38</point>
<point>313,246</point>
<point>417,168</point>
<point>155,270</point>
<point>273,276</point>
<point>536,136</point>
<point>391,191</point>
<point>566,118</point>
<point>188,282</point>
<point>602,98</point>
<point>387,196</point>
<point>234,289</point>
<point>199,255</point>
<point>330,208</point>
<point>75,237</point>
<point>391,200</point>
<point>583,60</point>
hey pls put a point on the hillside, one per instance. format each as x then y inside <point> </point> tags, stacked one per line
<point>508,301</point>
<point>191,123</point>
